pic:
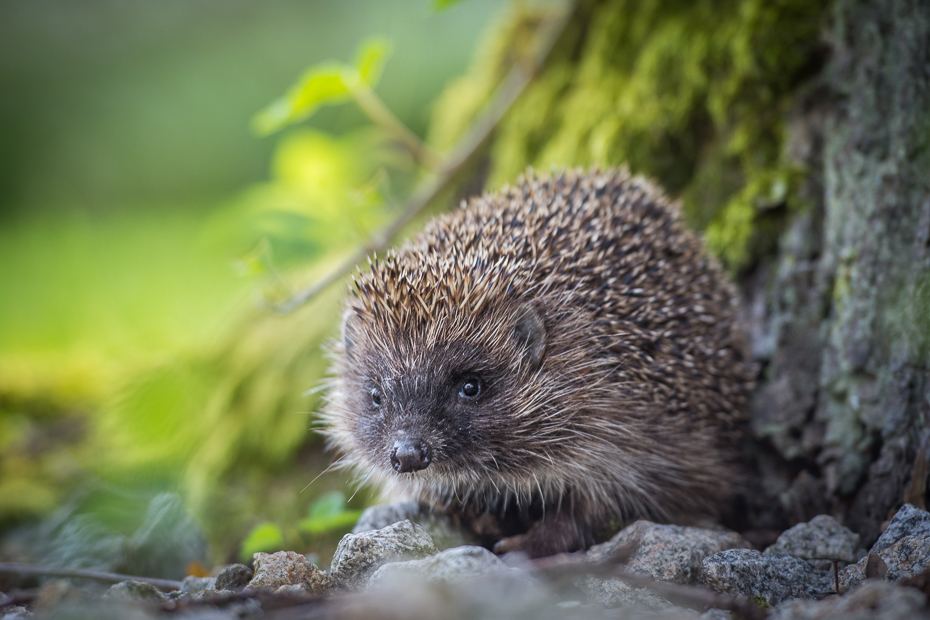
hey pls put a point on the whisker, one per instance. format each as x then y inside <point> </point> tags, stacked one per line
<point>322,472</point>
<point>362,483</point>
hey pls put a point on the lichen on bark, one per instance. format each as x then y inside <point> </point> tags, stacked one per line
<point>691,93</point>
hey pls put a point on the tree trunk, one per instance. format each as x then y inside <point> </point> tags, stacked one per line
<point>843,316</point>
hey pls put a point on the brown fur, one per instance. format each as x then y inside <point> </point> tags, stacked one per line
<point>612,370</point>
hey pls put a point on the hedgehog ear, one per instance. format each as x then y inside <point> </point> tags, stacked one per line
<point>530,333</point>
<point>350,332</point>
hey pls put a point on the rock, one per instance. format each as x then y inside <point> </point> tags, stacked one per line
<point>617,593</point>
<point>285,568</point>
<point>444,532</point>
<point>57,593</point>
<point>903,548</point>
<point>908,521</point>
<point>234,577</point>
<point>192,585</point>
<point>15,612</point>
<point>668,552</point>
<point>448,566</point>
<point>902,560</point>
<point>773,578</point>
<point>295,589</point>
<point>874,600</point>
<point>821,538</point>
<point>456,584</point>
<point>360,555</point>
<point>664,552</point>
<point>135,592</point>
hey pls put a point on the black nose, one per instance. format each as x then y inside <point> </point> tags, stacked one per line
<point>410,455</point>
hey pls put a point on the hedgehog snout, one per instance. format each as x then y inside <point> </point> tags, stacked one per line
<point>410,455</point>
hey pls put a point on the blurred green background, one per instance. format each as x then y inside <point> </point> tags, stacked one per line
<point>139,213</point>
<point>143,222</point>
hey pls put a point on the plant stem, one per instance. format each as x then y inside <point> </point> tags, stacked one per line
<point>463,153</point>
<point>379,113</point>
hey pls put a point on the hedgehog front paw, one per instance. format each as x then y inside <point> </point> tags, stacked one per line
<point>545,538</point>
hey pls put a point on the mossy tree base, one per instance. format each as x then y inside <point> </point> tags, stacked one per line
<point>846,327</point>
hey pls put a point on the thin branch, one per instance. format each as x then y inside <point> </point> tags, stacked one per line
<point>49,571</point>
<point>462,154</point>
<point>379,113</point>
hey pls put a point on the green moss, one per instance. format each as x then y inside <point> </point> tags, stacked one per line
<point>759,601</point>
<point>691,93</point>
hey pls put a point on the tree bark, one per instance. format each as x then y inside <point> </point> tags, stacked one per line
<point>842,318</point>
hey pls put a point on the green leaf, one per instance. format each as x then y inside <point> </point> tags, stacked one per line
<point>329,513</point>
<point>324,84</point>
<point>328,505</point>
<point>370,59</point>
<point>441,5</point>
<point>327,83</point>
<point>264,537</point>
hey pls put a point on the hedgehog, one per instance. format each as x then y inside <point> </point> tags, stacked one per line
<point>545,363</point>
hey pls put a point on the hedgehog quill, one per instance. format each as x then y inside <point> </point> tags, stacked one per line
<point>545,361</point>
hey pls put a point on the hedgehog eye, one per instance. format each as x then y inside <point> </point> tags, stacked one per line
<point>471,387</point>
<point>375,395</point>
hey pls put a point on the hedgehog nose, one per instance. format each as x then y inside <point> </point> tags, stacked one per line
<point>410,455</point>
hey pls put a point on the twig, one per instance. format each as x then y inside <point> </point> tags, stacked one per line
<point>49,571</point>
<point>379,113</point>
<point>465,150</point>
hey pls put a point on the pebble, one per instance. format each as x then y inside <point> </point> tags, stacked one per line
<point>284,568</point>
<point>134,592</point>
<point>821,538</point>
<point>439,525</point>
<point>904,548</point>
<point>771,578</point>
<point>670,553</point>
<point>874,600</point>
<point>234,577</point>
<point>358,556</point>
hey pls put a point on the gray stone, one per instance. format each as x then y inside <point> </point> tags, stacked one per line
<point>193,585</point>
<point>234,577</point>
<point>438,524</point>
<point>457,584</point>
<point>15,612</point>
<point>821,538</point>
<point>58,593</point>
<point>903,559</point>
<point>773,578</point>
<point>448,566</point>
<point>284,568</point>
<point>294,589</point>
<point>360,555</point>
<point>668,552</point>
<point>664,552</point>
<point>909,521</point>
<point>874,600</point>
<point>618,593</point>
<point>135,591</point>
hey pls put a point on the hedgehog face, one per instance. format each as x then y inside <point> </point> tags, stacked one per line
<point>436,410</point>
